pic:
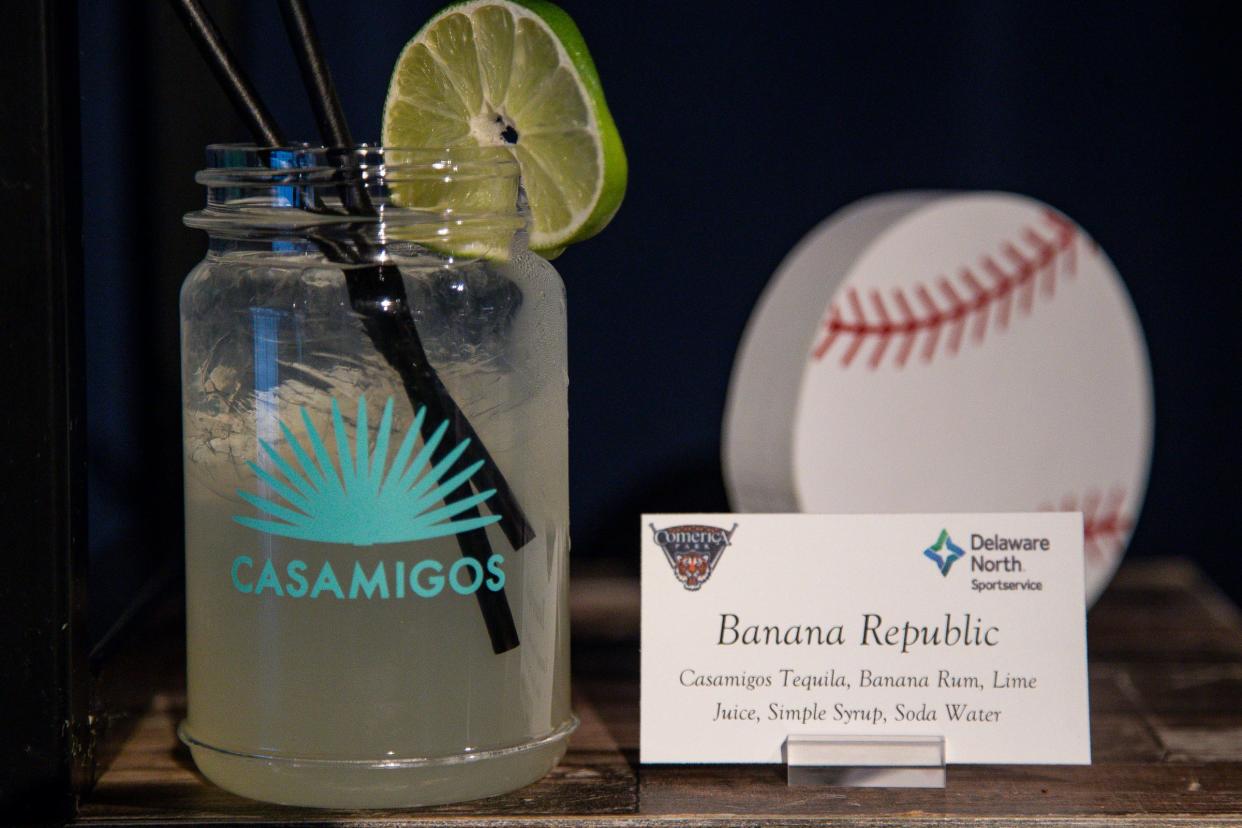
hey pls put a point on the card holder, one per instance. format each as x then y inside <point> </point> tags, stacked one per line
<point>865,761</point>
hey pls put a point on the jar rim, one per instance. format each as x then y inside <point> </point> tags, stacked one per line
<point>249,164</point>
<point>468,195</point>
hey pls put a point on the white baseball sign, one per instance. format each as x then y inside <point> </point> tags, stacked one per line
<point>935,352</point>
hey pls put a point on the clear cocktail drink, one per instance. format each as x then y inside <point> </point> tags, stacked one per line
<point>339,654</point>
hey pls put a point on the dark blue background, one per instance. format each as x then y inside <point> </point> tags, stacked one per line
<point>744,127</point>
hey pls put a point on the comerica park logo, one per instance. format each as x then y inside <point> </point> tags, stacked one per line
<point>693,550</point>
<point>943,552</point>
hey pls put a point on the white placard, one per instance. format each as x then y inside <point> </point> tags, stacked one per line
<point>968,626</point>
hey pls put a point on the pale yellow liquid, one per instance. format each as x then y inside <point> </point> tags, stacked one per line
<point>375,702</point>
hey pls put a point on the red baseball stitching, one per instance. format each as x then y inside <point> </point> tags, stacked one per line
<point>1104,526</point>
<point>972,299</point>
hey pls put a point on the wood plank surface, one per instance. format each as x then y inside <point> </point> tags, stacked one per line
<point>1166,702</point>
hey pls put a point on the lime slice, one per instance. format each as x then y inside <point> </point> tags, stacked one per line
<point>517,75</point>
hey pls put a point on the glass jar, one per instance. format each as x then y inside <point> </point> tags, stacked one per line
<point>376,457</point>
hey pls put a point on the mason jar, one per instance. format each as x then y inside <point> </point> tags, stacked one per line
<point>376,454</point>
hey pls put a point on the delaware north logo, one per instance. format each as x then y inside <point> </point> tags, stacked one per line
<point>359,497</point>
<point>693,551</point>
<point>943,552</point>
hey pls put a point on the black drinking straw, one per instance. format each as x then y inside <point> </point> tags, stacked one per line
<point>228,72</point>
<point>316,76</point>
<point>382,302</point>
<point>377,293</point>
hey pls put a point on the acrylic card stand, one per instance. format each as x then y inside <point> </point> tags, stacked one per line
<point>865,761</point>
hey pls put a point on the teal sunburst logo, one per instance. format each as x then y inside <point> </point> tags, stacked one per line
<point>362,499</point>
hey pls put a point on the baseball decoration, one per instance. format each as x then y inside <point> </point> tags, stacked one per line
<point>930,352</point>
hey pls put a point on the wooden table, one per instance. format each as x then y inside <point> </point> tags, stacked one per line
<point>1166,732</point>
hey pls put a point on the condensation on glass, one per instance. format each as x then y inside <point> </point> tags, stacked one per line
<point>375,436</point>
